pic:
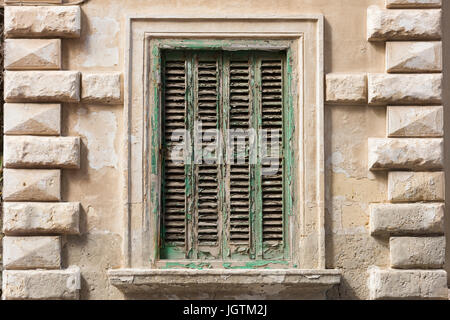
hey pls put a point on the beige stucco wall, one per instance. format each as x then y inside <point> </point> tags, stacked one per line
<point>446,97</point>
<point>349,186</point>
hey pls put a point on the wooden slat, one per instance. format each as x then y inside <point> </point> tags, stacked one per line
<point>208,174</point>
<point>272,179</point>
<point>174,206</point>
<point>239,119</point>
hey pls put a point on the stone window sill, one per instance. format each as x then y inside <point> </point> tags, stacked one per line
<point>224,283</point>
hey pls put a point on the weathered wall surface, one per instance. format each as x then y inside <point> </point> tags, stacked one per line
<point>350,187</point>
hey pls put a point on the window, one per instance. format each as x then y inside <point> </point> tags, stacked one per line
<point>225,193</point>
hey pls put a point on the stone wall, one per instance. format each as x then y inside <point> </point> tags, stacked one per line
<point>66,86</point>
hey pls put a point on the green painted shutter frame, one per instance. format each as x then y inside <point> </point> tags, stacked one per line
<point>213,208</point>
<point>174,182</point>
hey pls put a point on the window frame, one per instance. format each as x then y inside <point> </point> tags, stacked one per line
<point>155,48</point>
<point>307,33</point>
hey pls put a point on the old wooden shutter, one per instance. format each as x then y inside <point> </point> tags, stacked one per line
<point>213,208</point>
<point>191,224</point>
<point>174,173</point>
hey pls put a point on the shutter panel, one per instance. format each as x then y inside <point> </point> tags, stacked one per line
<point>272,163</point>
<point>174,117</point>
<point>239,120</point>
<point>208,172</point>
<point>247,199</point>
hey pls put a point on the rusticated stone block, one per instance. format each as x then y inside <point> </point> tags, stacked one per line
<point>406,219</point>
<point>393,4</point>
<point>39,218</point>
<point>42,21</point>
<point>32,119</point>
<point>31,185</point>
<point>414,57</point>
<point>415,121</point>
<point>41,152</point>
<point>385,25</point>
<point>32,54</point>
<point>41,284</point>
<point>417,252</point>
<point>346,88</point>
<point>31,253</point>
<point>414,154</point>
<point>416,186</point>
<point>405,89</point>
<point>101,88</point>
<point>407,284</point>
<point>42,86</point>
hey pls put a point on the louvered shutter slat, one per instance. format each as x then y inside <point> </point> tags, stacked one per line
<point>174,206</point>
<point>208,174</point>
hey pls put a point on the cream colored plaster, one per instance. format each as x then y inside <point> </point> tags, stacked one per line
<point>351,204</point>
<point>446,98</point>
